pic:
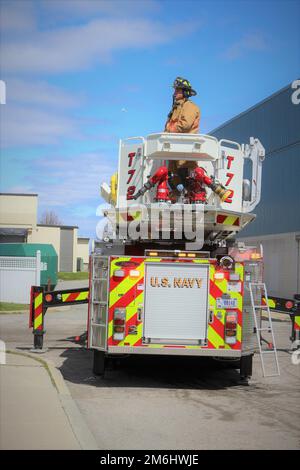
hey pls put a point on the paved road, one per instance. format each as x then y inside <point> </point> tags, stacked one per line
<point>185,403</point>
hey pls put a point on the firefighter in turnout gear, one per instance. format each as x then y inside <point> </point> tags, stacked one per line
<point>184,117</point>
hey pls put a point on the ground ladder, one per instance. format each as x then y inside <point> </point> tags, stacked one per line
<point>98,302</point>
<point>260,287</point>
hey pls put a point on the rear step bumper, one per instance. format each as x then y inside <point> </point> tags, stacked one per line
<point>175,351</point>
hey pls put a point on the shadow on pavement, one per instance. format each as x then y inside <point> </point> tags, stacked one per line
<point>149,371</point>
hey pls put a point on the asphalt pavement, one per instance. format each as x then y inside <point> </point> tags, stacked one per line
<point>146,402</point>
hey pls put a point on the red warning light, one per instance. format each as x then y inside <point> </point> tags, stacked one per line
<point>289,304</point>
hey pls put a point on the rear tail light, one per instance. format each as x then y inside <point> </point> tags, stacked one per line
<point>119,324</point>
<point>231,328</point>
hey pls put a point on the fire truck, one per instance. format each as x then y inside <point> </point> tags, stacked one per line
<point>153,289</point>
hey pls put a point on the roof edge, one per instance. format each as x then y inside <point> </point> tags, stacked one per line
<point>58,226</point>
<point>18,194</point>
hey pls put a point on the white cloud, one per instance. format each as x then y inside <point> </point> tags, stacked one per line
<point>248,43</point>
<point>78,47</point>
<point>70,181</point>
<point>38,113</point>
<point>40,93</point>
<point>69,186</point>
<point>21,125</point>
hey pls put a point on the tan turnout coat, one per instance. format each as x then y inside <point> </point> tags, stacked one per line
<point>185,118</point>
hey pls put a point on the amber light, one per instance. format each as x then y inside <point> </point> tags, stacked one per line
<point>255,256</point>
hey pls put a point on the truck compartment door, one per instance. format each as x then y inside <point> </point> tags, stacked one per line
<point>176,303</point>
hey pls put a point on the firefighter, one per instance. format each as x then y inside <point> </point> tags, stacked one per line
<point>184,117</point>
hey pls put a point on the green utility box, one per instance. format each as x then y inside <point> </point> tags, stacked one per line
<point>49,258</point>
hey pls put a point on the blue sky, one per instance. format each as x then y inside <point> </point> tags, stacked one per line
<point>80,74</point>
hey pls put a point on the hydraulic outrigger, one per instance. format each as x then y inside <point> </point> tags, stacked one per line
<point>41,300</point>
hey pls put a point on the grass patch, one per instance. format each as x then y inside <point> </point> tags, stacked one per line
<point>80,276</point>
<point>11,307</point>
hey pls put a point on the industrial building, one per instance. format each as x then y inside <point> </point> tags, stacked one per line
<point>276,122</point>
<point>18,224</point>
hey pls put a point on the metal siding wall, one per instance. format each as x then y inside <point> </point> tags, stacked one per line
<point>281,262</point>
<point>276,123</point>
<point>66,250</point>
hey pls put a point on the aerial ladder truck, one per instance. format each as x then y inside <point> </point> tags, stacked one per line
<point>153,289</point>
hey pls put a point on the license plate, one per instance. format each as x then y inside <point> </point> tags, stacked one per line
<point>226,303</point>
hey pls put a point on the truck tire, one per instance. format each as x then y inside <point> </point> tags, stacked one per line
<point>99,362</point>
<point>246,368</point>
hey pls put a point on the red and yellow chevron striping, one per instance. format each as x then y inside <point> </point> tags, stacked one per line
<point>74,296</point>
<point>216,328</point>
<point>38,311</point>
<point>228,220</point>
<point>128,292</point>
<point>297,323</point>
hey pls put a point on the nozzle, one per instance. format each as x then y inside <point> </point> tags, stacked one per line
<point>143,190</point>
<point>222,192</point>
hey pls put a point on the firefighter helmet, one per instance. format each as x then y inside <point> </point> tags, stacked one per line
<point>185,85</point>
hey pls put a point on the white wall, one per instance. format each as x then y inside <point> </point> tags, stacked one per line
<point>281,262</point>
<point>17,275</point>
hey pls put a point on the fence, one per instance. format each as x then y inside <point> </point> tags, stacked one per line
<point>17,275</point>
